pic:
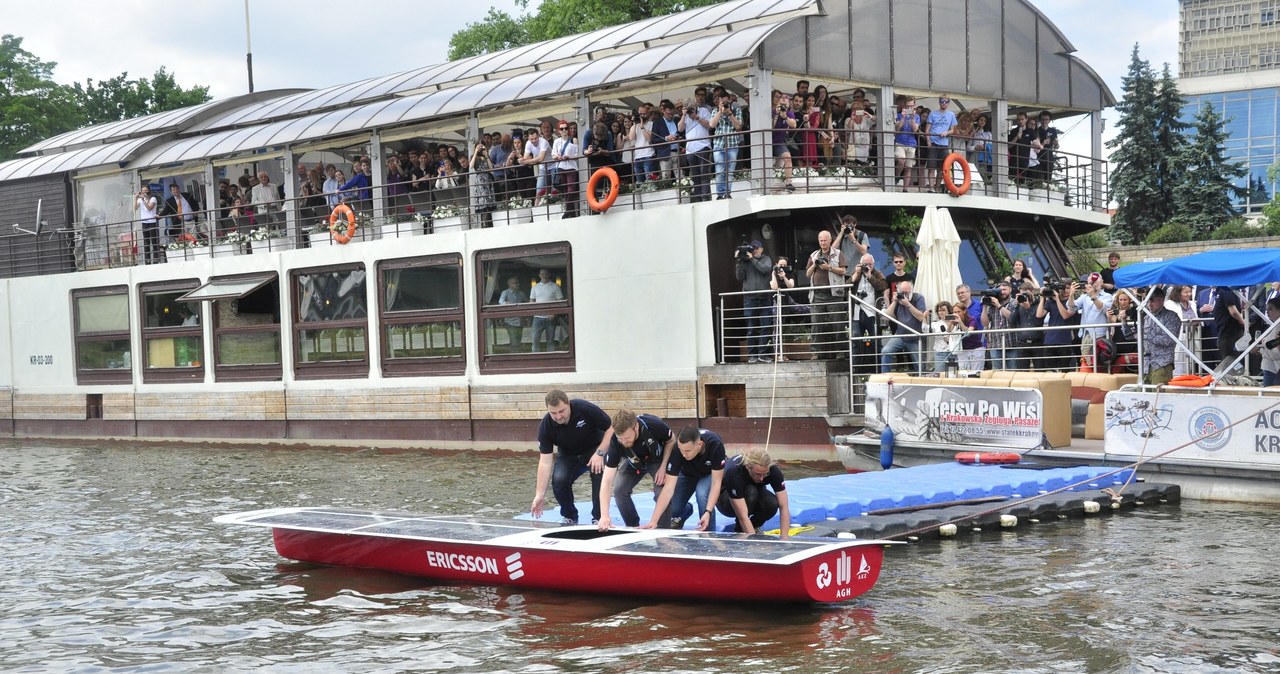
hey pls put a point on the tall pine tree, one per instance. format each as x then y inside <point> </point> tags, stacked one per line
<point>1135,185</point>
<point>1170,135</point>
<point>1203,195</point>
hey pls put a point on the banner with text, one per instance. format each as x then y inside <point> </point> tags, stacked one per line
<point>957,415</point>
<point>1220,427</point>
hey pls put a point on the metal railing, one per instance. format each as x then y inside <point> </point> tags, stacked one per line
<point>482,199</point>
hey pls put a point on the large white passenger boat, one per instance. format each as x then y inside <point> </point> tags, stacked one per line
<point>400,335</point>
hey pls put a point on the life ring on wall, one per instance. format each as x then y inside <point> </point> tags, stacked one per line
<point>949,181</point>
<point>602,172</point>
<point>1191,380</point>
<point>348,215</point>
<point>988,458</point>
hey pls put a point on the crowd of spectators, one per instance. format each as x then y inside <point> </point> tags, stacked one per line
<point>1019,323</point>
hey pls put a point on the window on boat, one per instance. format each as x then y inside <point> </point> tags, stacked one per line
<point>421,322</point>
<point>104,221</point>
<point>330,322</point>
<point>172,336</point>
<point>245,310</point>
<point>102,340</point>
<point>526,308</point>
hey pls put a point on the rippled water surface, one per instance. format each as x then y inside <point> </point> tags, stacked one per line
<point>110,562</point>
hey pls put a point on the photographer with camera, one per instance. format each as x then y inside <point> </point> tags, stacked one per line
<point>826,271</point>
<point>755,270</point>
<point>1093,303</point>
<point>908,311</point>
<point>696,126</point>
<point>1023,347</point>
<point>1055,303</point>
<point>851,241</point>
<point>727,122</point>
<point>996,313</point>
<point>1159,338</point>
<point>867,284</point>
<point>948,331</point>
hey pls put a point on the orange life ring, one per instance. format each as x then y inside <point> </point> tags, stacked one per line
<point>595,204</point>
<point>949,181</point>
<point>988,458</point>
<point>1191,380</point>
<point>350,217</point>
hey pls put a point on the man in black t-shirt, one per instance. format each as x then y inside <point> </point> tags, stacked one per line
<point>641,445</point>
<point>745,499</point>
<point>895,277</point>
<point>698,468</point>
<point>580,432</point>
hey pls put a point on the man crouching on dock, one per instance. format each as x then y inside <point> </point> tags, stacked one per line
<point>745,498</point>
<point>641,444</point>
<point>576,428</point>
<point>698,468</point>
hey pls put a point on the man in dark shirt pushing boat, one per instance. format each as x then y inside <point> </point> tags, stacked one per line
<point>698,469</point>
<point>581,432</point>
<point>641,444</point>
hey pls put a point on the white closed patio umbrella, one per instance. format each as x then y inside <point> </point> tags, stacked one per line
<point>938,265</point>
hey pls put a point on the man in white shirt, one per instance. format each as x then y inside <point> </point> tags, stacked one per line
<point>565,153</point>
<point>696,126</point>
<point>264,198</point>
<point>331,185</point>
<point>642,143</point>
<point>1092,304</point>
<point>545,290</point>
<point>536,150</point>
<point>147,207</point>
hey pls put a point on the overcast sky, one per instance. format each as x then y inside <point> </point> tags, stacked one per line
<point>322,42</point>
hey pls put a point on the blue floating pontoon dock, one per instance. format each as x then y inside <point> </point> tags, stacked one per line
<point>844,503</point>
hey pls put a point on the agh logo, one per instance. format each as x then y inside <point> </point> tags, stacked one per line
<point>843,574</point>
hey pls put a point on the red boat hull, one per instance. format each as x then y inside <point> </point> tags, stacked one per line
<point>837,575</point>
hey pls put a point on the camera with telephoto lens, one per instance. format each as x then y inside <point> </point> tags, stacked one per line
<point>743,251</point>
<point>1272,344</point>
<point>1052,285</point>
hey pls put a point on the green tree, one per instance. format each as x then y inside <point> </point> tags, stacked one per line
<point>1134,185</point>
<point>557,18</point>
<point>120,98</point>
<point>1203,198</point>
<point>32,106</point>
<point>1170,135</point>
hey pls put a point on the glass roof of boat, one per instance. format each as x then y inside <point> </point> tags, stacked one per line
<point>709,50</point>
<point>85,157</point>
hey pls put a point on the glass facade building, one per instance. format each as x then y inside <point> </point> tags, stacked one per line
<point>1249,119</point>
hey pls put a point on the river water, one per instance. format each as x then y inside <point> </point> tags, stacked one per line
<point>110,563</point>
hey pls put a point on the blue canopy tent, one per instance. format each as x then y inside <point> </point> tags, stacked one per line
<point>1235,268</point>
<point>1231,268</point>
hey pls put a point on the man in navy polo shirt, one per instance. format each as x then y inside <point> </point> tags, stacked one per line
<point>745,499</point>
<point>581,432</point>
<point>699,469</point>
<point>641,445</point>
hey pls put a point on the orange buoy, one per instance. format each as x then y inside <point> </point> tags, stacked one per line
<point>344,211</point>
<point>600,174</point>
<point>963,187</point>
<point>988,458</point>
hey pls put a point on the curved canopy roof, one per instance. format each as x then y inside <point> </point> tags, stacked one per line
<point>701,52</point>
<point>933,46</point>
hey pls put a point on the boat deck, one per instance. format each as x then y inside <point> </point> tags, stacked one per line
<point>893,501</point>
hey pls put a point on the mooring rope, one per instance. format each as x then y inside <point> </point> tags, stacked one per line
<point>1115,496</point>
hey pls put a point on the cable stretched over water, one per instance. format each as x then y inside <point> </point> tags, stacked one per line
<point>1115,495</point>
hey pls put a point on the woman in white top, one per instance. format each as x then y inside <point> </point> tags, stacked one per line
<point>947,334</point>
<point>1181,301</point>
<point>640,134</point>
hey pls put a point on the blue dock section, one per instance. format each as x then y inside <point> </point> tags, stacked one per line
<point>816,500</point>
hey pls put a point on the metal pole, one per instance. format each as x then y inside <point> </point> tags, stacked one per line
<point>248,47</point>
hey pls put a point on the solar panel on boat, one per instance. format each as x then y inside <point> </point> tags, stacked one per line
<point>721,547</point>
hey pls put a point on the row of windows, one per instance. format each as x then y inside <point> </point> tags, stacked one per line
<point>418,316</point>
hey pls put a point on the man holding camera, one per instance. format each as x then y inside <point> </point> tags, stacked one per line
<point>851,241</point>
<point>696,127</point>
<point>1092,304</point>
<point>909,314</point>
<point>867,284</point>
<point>755,270</point>
<point>1024,343</point>
<point>1055,303</point>
<point>826,270</point>
<point>727,122</point>
<point>996,313</point>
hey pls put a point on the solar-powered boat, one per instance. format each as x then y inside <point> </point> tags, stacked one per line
<point>653,562</point>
